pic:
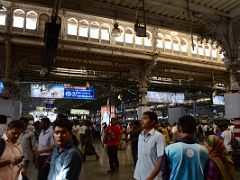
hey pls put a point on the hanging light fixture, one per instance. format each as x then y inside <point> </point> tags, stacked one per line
<point>116,32</point>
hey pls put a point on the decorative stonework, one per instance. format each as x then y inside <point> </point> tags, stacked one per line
<point>225,33</point>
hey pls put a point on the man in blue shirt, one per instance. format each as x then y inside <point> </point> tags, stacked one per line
<point>186,159</point>
<point>66,161</point>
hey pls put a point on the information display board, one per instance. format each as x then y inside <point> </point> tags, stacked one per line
<point>62,92</point>
<point>165,97</point>
<point>218,100</point>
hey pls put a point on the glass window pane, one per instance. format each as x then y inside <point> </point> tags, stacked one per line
<point>160,43</point>
<point>3,19</point>
<point>120,38</point>
<point>18,22</point>
<point>138,40</point>
<point>83,31</point>
<point>168,44</point>
<point>207,51</point>
<point>129,38</point>
<point>214,53</point>
<point>94,33</point>
<point>200,50</point>
<point>31,24</point>
<point>147,42</point>
<point>105,34</point>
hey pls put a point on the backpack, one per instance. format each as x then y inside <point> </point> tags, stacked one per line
<point>2,146</point>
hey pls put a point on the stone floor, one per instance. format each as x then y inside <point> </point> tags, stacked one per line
<point>97,170</point>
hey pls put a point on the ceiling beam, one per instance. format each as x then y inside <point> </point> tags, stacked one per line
<point>182,4</point>
<point>108,10</point>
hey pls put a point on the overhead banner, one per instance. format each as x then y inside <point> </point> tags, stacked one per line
<point>165,97</point>
<point>62,92</point>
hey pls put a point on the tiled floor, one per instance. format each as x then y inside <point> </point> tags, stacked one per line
<point>97,170</point>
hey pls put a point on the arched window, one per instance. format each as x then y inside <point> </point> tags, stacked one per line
<point>138,40</point>
<point>214,52</point>
<point>43,18</point>
<point>194,50</point>
<point>148,40</point>
<point>160,40</point>
<point>129,36</point>
<point>105,32</point>
<point>94,30</point>
<point>120,38</point>
<point>18,18</point>
<point>176,46</point>
<point>31,20</point>
<point>72,26</point>
<point>200,49</point>
<point>83,28</point>
<point>207,51</point>
<point>183,45</point>
<point>168,42</point>
<point>3,15</point>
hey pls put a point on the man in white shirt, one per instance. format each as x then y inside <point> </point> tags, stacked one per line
<point>45,146</point>
<point>151,144</point>
<point>227,136</point>
<point>82,130</point>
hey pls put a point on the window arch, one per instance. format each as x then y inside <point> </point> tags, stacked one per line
<point>83,28</point>
<point>214,51</point>
<point>31,20</point>
<point>207,50</point>
<point>120,38</point>
<point>168,42</point>
<point>94,30</point>
<point>43,18</point>
<point>3,15</point>
<point>129,36</point>
<point>160,40</point>
<point>194,51</point>
<point>183,45</point>
<point>176,44</point>
<point>200,50</point>
<point>18,18</point>
<point>105,32</point>
<point>72,26</point>
<point>148,39</point>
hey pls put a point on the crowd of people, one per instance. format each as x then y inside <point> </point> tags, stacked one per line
<point>185,150</point>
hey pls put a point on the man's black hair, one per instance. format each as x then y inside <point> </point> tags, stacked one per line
<point>25,120</point>
<point>18,124</point>
<point>46,120</point>
<point>3,119</point>
<point>136,123</point>
<point>152,116</point>
<point>187,124</point>
<point>64,123</point>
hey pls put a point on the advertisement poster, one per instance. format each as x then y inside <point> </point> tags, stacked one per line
<point>105,113</point>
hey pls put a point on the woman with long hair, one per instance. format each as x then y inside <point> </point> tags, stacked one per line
<point>221,166</point>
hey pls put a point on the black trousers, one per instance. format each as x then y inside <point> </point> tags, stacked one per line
<point>135,154</point>
<point>112,152</point>
<point>42,169</point>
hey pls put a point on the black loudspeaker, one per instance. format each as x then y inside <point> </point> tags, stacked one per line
<point>51,35</point>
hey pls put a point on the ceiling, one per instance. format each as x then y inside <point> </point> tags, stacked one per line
<point>171,14</point>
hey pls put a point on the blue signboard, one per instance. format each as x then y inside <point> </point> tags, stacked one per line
<point>86,94</point>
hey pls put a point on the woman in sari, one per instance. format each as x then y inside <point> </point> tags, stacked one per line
<point>221,166</point>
